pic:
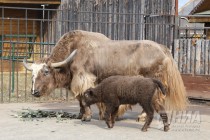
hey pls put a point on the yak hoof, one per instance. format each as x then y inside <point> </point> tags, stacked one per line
<point>86,118</point>
<point>110,125</point>
<point>144,130</point>
<point>142,117</point>
<point>79,116</point>
<point>166,128</point>
<point>101,117</point>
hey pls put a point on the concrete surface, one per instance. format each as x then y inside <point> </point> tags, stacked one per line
<point>195,127</point>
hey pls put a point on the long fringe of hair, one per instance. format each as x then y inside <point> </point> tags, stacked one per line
<point>176,94</point>
<point>81,82</point>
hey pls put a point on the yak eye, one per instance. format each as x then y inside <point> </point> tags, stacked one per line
<point>46,72</point>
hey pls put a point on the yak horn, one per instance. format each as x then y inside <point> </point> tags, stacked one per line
<point>26,66</point>
<point>67,60</point>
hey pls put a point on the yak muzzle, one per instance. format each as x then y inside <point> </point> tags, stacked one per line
<point>35,93</point>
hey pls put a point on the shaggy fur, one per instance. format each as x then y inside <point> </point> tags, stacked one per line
<point>117,90</point>
<point>98,57</point>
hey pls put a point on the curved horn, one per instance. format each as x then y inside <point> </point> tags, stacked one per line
<point>67,60</point>
<point>26,66</point>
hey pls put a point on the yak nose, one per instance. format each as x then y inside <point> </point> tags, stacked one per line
<point>35,93</point>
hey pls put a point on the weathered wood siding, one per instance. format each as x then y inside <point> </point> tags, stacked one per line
<point>117,19</point>
<point>193,56</point>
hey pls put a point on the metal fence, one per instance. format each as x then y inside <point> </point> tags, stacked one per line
<point>32,32</point>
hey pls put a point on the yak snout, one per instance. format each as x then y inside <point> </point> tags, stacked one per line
<point>35,93</point>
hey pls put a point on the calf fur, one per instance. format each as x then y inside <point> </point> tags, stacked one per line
<point>117,90</point>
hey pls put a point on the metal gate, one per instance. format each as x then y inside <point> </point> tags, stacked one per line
<point>32,32</point>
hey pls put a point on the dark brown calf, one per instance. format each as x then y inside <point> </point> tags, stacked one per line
<point>117,90</point>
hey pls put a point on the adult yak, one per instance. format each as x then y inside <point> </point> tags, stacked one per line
<point>93,57</point>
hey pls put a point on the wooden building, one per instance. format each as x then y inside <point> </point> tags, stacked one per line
<point>47,20</point>
<point>202,10</point>
<point>20,26</point>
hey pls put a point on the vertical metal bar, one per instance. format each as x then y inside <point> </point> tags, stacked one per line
<point>2,49</point>
<point>13,68</point>
<point>47,32</point>
<point>10,54</point>
<point>41,39</point>
<point>17,70</point>
<point>26,31</point>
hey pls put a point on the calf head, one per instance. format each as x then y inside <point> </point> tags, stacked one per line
<point>90,97</point>
<point>46,78</point>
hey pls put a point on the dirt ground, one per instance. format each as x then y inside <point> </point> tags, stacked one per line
<point>193,124</point>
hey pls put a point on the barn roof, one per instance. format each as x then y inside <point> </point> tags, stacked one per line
<point>30,2</point>
<point>202,6</point>
<point>188,7</point>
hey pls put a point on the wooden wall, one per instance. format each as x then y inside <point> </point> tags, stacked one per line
<point>118,19</point>
<point>14,22</point>
<point>193,56</point>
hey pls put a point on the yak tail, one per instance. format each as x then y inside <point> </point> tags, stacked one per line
<point>176,94</point>
<point>160,85</point>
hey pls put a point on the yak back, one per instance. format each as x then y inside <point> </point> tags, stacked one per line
<point>120,58</point>
<point>74,40</point>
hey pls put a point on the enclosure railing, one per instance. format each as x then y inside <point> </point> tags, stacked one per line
<point>32,33</point>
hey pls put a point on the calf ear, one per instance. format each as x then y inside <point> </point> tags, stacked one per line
<point>89,93</point>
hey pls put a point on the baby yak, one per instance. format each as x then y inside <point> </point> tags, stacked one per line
<point>117,90</point>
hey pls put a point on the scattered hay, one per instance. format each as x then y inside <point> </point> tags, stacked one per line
<point>29,114</point>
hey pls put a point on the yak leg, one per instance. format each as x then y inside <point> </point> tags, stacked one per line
<point>164,116</point>
<point>82,108</point>
<point>142,117</point>
<point>87,115</point>
<point>161,110</point>
<point>102,109</point>
<point>85,112</point>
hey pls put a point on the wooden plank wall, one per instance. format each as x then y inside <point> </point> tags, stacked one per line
<point>160,21</point>
<point>193,56</point>
<point>117,19</point>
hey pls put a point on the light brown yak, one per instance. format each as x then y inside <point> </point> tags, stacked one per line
<point>95,57</point>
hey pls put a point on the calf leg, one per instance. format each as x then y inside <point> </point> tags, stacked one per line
<point>107,117</point>
<point>110,114</point>
<point>150,114</point>
<point>114,114</point>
